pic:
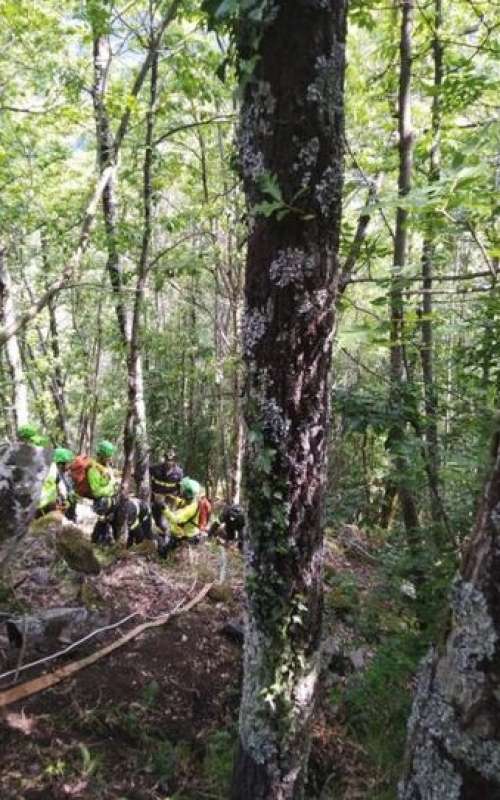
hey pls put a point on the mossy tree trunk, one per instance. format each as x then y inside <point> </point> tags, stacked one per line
<point>291,154</point>
<point>453,748</point>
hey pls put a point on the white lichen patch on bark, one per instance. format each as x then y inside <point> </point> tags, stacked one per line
<point>291,266</point>
<point>307,158</point>
<point>256,121</point>
<point>275,423</point>
<point>254,326</point>
<point>327,191</point>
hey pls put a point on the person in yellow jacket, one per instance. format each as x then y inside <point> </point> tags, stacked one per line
<point>103,487</point>
<point>183,523</point>
<point>57,489</point>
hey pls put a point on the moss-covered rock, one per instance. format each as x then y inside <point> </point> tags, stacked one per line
<point>89,596</point>
<point>221,593</point>
<point>77,551</point>
<point>145,548</point>
<point>48,525</point>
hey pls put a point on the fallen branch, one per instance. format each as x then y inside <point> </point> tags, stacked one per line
<point>47,681</point>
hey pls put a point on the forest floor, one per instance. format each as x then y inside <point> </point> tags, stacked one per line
<point>157,718</point>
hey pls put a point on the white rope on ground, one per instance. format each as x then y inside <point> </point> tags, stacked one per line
<point>68,648</point>
<point>223,564</point>
<point>48,680</point>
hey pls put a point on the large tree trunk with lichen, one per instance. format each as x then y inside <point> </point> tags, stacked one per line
<point>453,748</point>
<point>291,135</point>
<point>22,471</point>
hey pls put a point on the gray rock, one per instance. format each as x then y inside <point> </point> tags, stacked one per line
<point>51,624</point>
<point>358,658</point>
<point>41,576</point>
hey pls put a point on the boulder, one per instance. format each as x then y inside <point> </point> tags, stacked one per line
<point>77,551</point>
<point>47,625</point>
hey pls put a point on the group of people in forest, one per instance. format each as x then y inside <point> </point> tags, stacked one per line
<point>179,508</point>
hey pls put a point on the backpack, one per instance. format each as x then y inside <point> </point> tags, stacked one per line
<point>78,471</point>
<point>205,510</point>
<point>234,517</point>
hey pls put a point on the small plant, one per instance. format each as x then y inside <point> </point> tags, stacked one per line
<point>218,762</point>
<point>163,761</point>
<point>56,769</point>
<point>150,693</point>
<point>90,762</point>
<point>344,593</point>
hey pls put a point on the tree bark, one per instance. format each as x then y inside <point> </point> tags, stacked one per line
<point>12,351</point>
<point>135,435</point>
<point>396,437</point>
<point>136,438</point>
<point>107,158</point>
<point>22,471</point>
<point>291,134</point>
<point>428,257</point>
<point>453,746</point>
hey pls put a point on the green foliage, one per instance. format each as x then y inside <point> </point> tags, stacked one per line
<point>218,762</point>
<point>378,703</point>
<point>163,761</point>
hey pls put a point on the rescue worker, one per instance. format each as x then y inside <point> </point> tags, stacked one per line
<point>183,523</point>
<point>103,487</point>
<point>165,486</point>
<point>57,489</point>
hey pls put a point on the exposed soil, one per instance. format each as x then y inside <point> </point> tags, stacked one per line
<point>156,719</point>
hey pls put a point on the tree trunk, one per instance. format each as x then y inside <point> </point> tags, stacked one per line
<point>88,415</point>
<point>291,134</point>
<point>58,379</point>
<point>12,351</point>
<point>23,469</point>
<point>453,747</point>
<point>428,257</point>
<point>106,158</point>
<point>136,438</point>
<point>396,435</point>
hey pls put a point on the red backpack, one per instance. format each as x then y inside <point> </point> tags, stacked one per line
<point>78,471</point>
<point>204,512</point>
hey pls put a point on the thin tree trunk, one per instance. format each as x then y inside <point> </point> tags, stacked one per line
<point>12,351</point>
<point>57,375</point>
<point>88,416</point>
<point>136,439</point>
<point>396,436</point>
<point>428,257</point>
<point>238,424</point>
<point>291,128</point>
<point>453,746</point>
<point>106,158</point>
<point>58,380</point>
